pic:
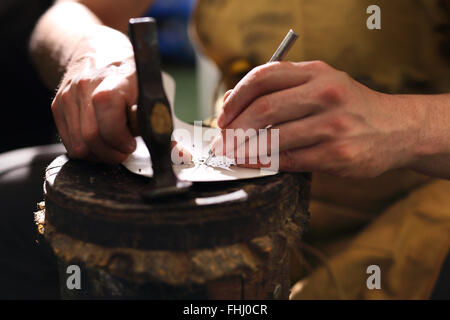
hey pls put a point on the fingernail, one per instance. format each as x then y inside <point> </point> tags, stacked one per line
<point>227,95</point>
<point>221,120</point>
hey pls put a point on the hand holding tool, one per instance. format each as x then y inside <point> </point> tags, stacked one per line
<point>279,54</point>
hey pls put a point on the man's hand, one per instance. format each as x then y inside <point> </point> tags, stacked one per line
<point>90,106</point>
<point>327,121</point>
<point>83,43</point>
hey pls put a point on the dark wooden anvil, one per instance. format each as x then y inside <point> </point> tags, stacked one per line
<point>215,240</point>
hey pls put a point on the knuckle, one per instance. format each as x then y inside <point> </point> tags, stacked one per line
<point>79,151</point>
<point>259,75</point>
<point>332,91</point>
<point>318,65</point>
<point>65,97</point>
<point>90,135</point>
<point>344,152</point>
<point>343,76</point>
<point>83,84</point>
<point>289,162</point>
<point>259,72</point>
<point>102,98</point>
<point>339,124</point>
<point>264,109</point>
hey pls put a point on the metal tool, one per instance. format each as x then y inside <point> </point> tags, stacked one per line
<point>279,54</point>
<point>285,46</point>
<point>210,155</point>
<point>153,117</point>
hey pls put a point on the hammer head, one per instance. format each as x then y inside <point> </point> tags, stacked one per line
<point>154,116</point>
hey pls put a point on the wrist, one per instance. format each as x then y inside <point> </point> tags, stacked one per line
<point>432,132</point>
<point>103,46</point>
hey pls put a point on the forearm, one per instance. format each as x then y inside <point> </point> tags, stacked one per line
<point>432,152</point>
<point>70,31</point>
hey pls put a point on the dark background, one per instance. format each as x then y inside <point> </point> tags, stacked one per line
<point>25,102</point>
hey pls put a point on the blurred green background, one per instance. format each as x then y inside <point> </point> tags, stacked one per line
<point>177,53</point>
<point>186,90</point>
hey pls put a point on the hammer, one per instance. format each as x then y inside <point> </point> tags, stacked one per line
<point>152,117</point>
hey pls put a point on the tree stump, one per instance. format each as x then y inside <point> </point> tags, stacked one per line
<point>224,240</point>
